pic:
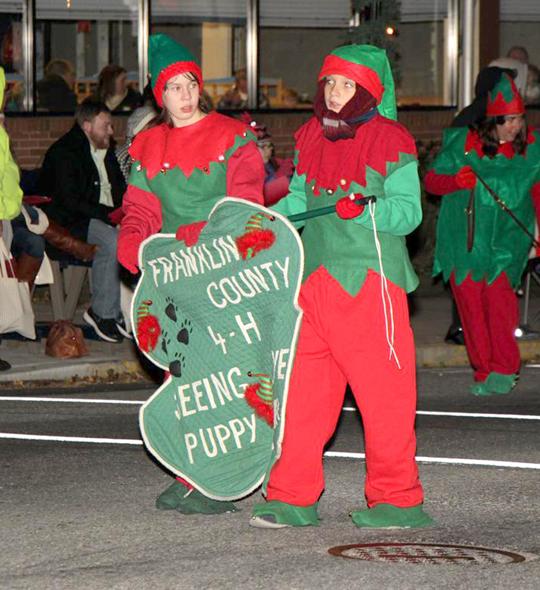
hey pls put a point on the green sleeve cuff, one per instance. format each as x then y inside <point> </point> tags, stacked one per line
<point>398,211</point>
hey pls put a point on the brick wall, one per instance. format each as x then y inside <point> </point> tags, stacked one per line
<point>31,136</point>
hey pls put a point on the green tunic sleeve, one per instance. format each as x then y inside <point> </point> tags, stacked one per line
<point>296,201</point>
<point>399,212</point>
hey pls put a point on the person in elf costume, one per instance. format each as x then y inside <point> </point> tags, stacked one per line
<point>355,325</point>
<point>181,168</point>
<point>481,248</point>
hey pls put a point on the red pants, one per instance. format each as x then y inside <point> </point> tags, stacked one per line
<point>342,339</point>
<point>489,315</point>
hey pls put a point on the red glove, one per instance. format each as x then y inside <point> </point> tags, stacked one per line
<point>346,208</point>
<point>190,232</point>
<point>466,178</point>
<point>127,250</point>
<point>116,216</point>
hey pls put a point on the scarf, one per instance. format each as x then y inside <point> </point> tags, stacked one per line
<point>360,109</point>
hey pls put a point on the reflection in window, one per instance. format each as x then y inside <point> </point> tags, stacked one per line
<point>11,58</point>
<point>77,41</point>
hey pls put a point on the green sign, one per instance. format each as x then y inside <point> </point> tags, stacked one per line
<point>222,318</point>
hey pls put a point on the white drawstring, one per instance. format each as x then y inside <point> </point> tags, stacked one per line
<point>384,291</point>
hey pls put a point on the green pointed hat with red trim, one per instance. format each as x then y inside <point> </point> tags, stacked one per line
<point>168,58</point>
<point>504,99</point>
<point>369,67</point>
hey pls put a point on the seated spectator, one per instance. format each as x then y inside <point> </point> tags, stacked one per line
<point>278,171</point>
<point>142,118</point>
<point>114,91</point>
<point>518,52</point>
<point>237,96</point>
<point>55,91</point>
<point>82,176</point>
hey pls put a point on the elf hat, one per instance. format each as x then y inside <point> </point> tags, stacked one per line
<point>166,59</point>
<point>368,66</point>
<point>504,99</point>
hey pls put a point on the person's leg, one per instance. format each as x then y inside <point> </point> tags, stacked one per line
<point>503,318</point>
<point>385,393</point>
<point>469,299</point>
<point>28,250</point>
<point>105,301</point>
<point>314,402</point>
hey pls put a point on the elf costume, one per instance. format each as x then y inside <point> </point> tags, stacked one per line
<point>355,326</point>
<point>179,173</point>
<point>480,249</point>
<point>177,176</point>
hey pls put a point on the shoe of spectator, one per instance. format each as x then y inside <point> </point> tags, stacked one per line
<point>4,365</point>
<point>106,329</point>
<point>455,335</point>
<point>121,325</point>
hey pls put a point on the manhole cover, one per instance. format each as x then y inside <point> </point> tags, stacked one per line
<point>426,553</point>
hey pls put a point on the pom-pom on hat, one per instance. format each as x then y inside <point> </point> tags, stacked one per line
<point>504,99</point>
<point>259,129</point>
<point>369,67</point>
<point>166,59</point>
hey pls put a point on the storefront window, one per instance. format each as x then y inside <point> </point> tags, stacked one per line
<point>75,42</point>
<point>294,39</point>
<point>215,32</point>
<point>11,56</point>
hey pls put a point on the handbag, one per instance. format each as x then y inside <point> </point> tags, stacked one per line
<point>16,312</point>
<point>65,341</point>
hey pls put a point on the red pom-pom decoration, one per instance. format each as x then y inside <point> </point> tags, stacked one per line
<point>263,409</point>
<point>148,332</point>
<point>253,242</point>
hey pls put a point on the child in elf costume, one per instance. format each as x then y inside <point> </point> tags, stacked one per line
<point>181,168</point>
<point>481,248</point>
<point>355,326</point>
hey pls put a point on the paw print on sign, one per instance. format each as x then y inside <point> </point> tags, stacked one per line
<point>170,309</point>
<point>176,366</point>
<point>165,341</point>
<point>185,332</point>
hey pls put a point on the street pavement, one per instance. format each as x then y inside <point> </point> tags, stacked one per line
<point>80,514</point>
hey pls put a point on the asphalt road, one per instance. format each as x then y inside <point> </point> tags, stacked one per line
<point>81,514</point>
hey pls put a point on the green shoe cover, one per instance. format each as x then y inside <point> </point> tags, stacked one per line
<point>499,383</point>
<point>387,516</point>
<point>276,515</point>
<point>178,497</point>
<point>479,388</point>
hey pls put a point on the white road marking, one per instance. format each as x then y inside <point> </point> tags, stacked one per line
<point>466,414</point>
<point>70,400</point>
<point>335,454</point>
<point>447,460</point>
<point>74,400</point>
<point>75,439</point>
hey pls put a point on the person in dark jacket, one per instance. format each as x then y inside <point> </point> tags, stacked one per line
<point>55,92</point>
<point>82,176</point>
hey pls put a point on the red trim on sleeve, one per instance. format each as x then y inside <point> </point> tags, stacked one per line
<point>440,184</point>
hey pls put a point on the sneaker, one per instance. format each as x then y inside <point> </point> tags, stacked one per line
<point>106,329</point>
<point>121,326</point>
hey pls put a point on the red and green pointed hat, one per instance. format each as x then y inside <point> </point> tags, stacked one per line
<point>369,67</point>
<point>504,99</point>
<point>166,59</point>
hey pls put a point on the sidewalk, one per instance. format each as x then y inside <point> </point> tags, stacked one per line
<point>121,362</point>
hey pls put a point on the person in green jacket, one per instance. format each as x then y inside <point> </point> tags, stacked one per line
<point>481,248</point>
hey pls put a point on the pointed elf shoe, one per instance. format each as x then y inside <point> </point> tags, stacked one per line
<point>479,388</point>
<point>387,516</point>
<point>279,515</point>
<point>190,501</point>
<point>499,384</point>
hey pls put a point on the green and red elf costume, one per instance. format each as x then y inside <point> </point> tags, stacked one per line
<point>177,176</point>
<point>355,328</point>
<point>179,173</point>
<point>484,257</point>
